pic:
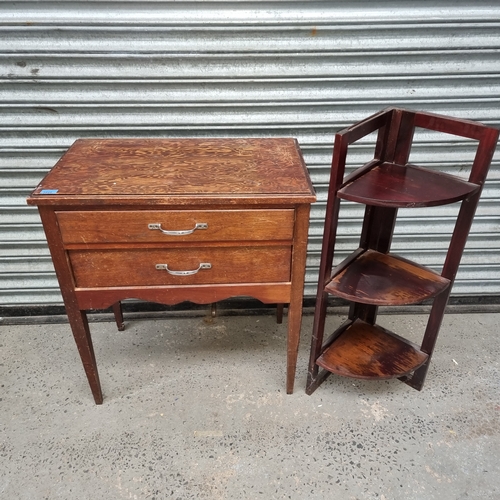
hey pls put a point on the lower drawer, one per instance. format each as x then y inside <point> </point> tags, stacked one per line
<point>177,266</point>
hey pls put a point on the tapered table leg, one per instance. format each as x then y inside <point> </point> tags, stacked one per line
<point>279,313</point>
<point>297,293</point>
<point>294,326</point>
<point>118,312</point>
<point>81,333</point>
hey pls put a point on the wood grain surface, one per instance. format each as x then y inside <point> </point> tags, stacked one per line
<point>188,169</point>
<point>382,279</point>
<point>391,185</point>
<point>119,268</point>
<point>125,226</point>
<point>370,352</point>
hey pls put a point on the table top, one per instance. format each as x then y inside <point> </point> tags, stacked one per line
<point>177,171</point>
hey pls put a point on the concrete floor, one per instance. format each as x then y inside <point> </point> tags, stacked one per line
<point>196,408</point>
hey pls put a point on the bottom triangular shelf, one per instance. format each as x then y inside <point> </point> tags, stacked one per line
<point>371,352</point>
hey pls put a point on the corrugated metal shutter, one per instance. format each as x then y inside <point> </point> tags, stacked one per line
<point>283,68</point>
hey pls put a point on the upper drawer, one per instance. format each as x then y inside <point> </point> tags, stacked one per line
<point>157,226</point>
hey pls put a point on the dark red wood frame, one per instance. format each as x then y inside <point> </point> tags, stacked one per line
<point>395,135</point>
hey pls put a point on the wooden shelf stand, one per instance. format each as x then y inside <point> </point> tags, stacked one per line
<point>372,276</point>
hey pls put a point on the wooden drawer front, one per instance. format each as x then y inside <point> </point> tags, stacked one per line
<point>112,268</point>
<point>132,226</point>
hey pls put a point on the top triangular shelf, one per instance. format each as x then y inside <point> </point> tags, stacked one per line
<point>392,185</point>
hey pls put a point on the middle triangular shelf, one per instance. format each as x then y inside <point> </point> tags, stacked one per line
<point>376,278</point>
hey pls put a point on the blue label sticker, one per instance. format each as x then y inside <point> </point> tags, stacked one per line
<point>49,191</point>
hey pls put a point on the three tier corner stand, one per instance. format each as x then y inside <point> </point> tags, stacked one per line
<point>372,276</point>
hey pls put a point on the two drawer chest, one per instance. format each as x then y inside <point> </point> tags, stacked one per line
<point>173,220</point>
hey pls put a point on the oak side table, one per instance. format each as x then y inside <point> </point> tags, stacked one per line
<point>170,220</point>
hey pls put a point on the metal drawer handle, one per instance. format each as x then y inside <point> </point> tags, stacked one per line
<point>198,225</point>
<point>203,265</point>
